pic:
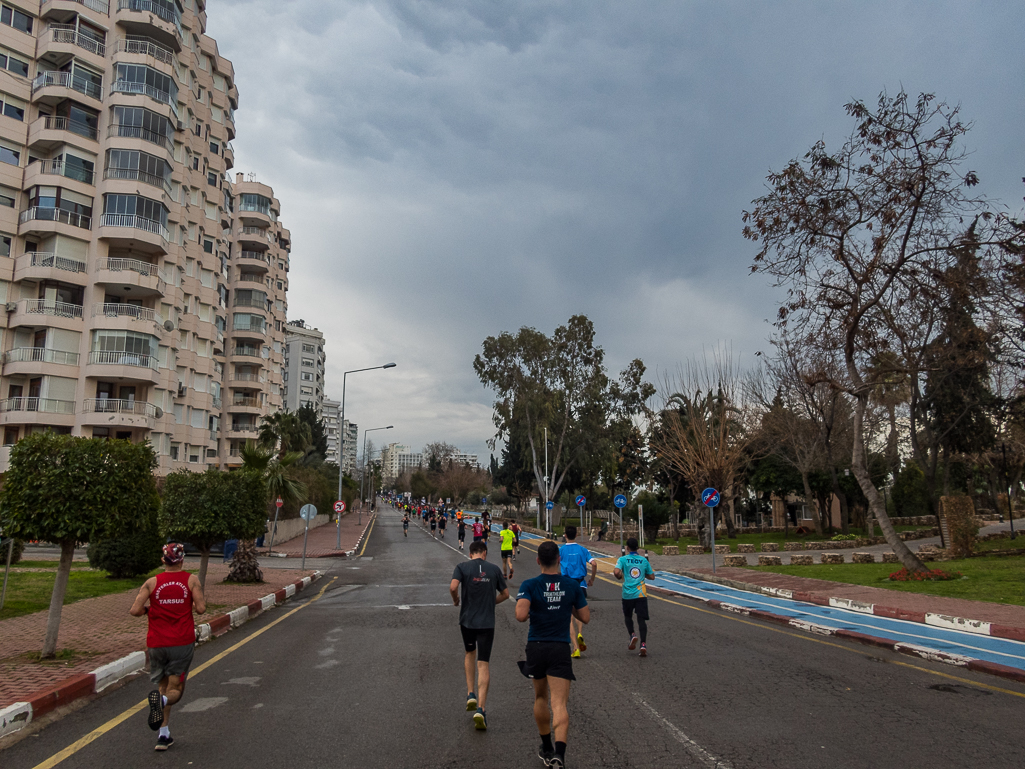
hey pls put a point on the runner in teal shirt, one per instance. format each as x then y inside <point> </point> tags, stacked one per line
<point>633,569</point>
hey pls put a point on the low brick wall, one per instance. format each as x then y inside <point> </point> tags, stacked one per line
<point>770,560</point>
<point>670,550</point>
<point>736,560</point>
<point>832,558</point>
<point>745,548</point>
<point>863,558</point>
<point>695,550</point>
<point>801,560</point>
<point>770,547</point>
<point>890,558</point>
<point>791,546</point>
<point>722,549</point>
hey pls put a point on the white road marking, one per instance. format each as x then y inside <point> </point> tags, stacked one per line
<point>244,681</point>
<point>692,747</point>
<point>203,703</point>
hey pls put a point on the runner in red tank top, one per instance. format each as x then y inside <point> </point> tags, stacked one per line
<point>171,640</point>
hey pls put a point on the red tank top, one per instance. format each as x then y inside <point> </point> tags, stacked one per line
<point>170,611</point>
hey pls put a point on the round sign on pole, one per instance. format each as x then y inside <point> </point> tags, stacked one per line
<point>710,497</point>
<point>279,503</point>
<point>581,500</point>
<point>549,505</point>
<point>620,501</point>
<point>339,507</point>
<point>308,513</point>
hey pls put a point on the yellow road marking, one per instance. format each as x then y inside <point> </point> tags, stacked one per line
<point>802,637</point>
<point>366,540</point>
<point>99,731</point>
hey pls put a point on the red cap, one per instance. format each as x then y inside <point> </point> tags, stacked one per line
<point>173,553</point>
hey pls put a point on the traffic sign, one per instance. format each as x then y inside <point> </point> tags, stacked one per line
<point>620,501</point>
<point>581,500</point>
<point>339,506</point>
<point>279,503</point>
<point>549,505</point>
<point>308,513</point>
<point>710,497</point>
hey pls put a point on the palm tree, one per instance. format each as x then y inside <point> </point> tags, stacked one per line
<point>285,432</point>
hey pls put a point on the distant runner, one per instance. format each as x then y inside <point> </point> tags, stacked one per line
<point>478,530</point>
<point>173,595</point>
<point>507,538</point>
<point>405,525</point>
<point>516,539</point>
<point>461,532</point>
<point>633,569</point>
<point>442,524</point>
<point>434,526</point>
<point>480,586</point>
<point>549,601</point>
<point>575,560</point>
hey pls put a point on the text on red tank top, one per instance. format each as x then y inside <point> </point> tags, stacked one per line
<point>170,611</point>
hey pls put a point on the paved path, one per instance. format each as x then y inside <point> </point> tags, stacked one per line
<point>323,540</point>
<point>370,675</point>
<point>101,630</point>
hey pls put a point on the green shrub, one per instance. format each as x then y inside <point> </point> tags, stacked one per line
<point>19,548</point>
<point>129,555</point>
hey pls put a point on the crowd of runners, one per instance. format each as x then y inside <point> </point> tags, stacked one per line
<point>554,603</point>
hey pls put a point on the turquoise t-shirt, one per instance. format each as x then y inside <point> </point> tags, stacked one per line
<point>635,568</point>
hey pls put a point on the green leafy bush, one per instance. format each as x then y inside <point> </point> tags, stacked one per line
<point>129,555</point>
<point>843,537</point>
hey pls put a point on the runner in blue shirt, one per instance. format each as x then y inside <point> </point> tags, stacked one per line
<point>575,560</point>
<point>633,569</point>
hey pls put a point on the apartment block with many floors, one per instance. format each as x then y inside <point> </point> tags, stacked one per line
<point>144,295</point>
<point>305,362</point>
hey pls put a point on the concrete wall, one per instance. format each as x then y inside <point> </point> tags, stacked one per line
<point>294,527</point>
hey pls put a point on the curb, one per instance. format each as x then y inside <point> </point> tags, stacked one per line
<point>20,714</point>
<point>914,650</point>
<point>976,626</point>
<point>362,536</point>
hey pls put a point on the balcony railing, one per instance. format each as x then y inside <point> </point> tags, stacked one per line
<point>41,355</point>
<point>67,80</point>
<point>145,47</point>
<point>66,33</point>
<point>113,358</point>
<point>56,215</point>
<point>259,232</point>
<point>100,6</point>
<point>56,123</point>
<point>136,222</point>
<point>119,406</point>
<point>43,259</point>
<point>258,303</point>
<point>112,310</point>
<point>128,86</point>
<point>258,256</point>
<point>134,174</point>
<point>138,132</point>
<point>46,405</point>
<point>244,428</point>
<point>131,265</point>
<point>147,6</point>
<point>250,328</point>
<point>247,402</point>
<point>216,402</point>
<point>58,167</point>
<point>247,378</point>
<point>50,307</point>
<point>246,278</point>
<point>252,352</point>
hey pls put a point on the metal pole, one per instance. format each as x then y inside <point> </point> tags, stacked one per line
<point>622,545</point>
<point>1007,482</point>
<point>274,528</point>
<point>7,570</point>
<point>341,461</point>
<point>305,537</point>
<point>364,473</point>
<point>548,516</point>
<point>711,521</point>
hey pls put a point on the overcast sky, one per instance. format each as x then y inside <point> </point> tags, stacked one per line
<point>451,170</point>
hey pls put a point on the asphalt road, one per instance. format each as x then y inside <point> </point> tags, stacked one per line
<point>370,675</point>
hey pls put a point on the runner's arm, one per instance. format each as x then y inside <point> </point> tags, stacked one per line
<point>583,614</point>
<point>617,573</point>
<point>453,588</point>
<point>522,609</point>
<point>503,596</point>
<point>594,572</point>
<point>139,607</point>
<point>198,597</point>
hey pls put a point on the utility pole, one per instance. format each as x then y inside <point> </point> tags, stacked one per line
<point>1007,483</point>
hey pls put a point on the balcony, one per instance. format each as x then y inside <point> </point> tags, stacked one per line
<point>123,365</point>
<point>134,231</point>
<point>68,35</point>
<point>45,405</point>
<point>244,429</point>
<point>250,328</point>
<point>246,278</point>
<point>50,130</point>
<point>246,352</point>
<point>132,311</point>
<point>247,378</point>
<point>100,6</point>
<point>120,406</point>
<point>67,80</point>
<point>141,89</point>
<point>44,264</point>
<point>260,304</point>
<point>41,355</point>
<point>246,402</point>
<point>38,213</point>
<point>145,47</point>
<point>134,174</point>
<point>58,167</point>
<point>138,132</point>
<point>50,307</point>
<point>148,6</point>
<point>255,260</point>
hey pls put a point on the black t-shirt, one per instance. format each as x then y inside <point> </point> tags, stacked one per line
<point>480,582</point>
<point>552,600</point>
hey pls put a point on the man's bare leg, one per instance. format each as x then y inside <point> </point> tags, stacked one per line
<point>542,715</point>
<point>560,710</point>
<point>483,681</point>
<point>469,665</point>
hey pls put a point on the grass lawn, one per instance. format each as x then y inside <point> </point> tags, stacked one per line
<point>994,578</point>
<point>29,591</point>
<point>1018,543</point>
<point>44,565</point>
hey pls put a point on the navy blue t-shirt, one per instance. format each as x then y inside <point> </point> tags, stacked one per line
<point>552,600</point>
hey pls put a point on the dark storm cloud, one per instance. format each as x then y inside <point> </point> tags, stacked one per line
<point>453,169</point>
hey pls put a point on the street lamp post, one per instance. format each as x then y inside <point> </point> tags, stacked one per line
<point>341,441</point>
<point>372,429</point>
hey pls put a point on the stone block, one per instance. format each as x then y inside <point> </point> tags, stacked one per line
<point>863,558</point>
<point>670,550</point>
<point>695,550</point>
<point>890,558</point>
<point>770,560</point>
<point>832,558</point>
<point>801,560</point>
<point>790,546</point>
<point>745,548</point>
<point>736,560</point>
<point>770,547</point>
<point>814,546</point>
<point>722,549</point>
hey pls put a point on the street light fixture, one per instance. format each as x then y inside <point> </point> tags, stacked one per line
<point>363,475</point>
<point>341,441</point>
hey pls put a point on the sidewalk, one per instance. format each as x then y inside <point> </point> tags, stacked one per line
<point>100,630</point>
<point>323,540</point>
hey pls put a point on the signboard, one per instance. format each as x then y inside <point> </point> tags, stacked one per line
<point>339,506</point>
<point>549,505</point>
<point>620,501</point>
<point>307,513</point>
<point>710,497</point>
<point>581,500</point>
<point>279,503</point>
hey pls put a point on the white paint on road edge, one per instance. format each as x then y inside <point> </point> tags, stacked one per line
<point>112,672</point>
<point>979,627</point>
<point>15,717</point>
<point>851,605</point>
<point>702,755</point>
<point>238,616</point>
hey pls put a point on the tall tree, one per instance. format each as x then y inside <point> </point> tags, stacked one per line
<point>862,238</point>
<point>317,450</point>
<point>69,490</point>
<point>284,432</point>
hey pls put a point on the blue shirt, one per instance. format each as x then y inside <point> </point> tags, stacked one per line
<point>635,568</point>
<point>552,600</point>
<point>573,560</point>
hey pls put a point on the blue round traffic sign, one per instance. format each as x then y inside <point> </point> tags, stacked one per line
<point>581,500</point>
<point>710,497</point>
<point>620,501</point>
<point>549,505</point>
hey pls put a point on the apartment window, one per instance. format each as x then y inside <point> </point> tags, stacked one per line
<point>306,390</point>
<point>138,78</point>
<point>111,340</point>
<point>309,348</point>
<point>257,203</point>
<point>307,363</point>
<point>211,178</point>
<point>198,128</point>
<point>12,17</point>
<point>132,164</point>
<point>280,285</point>
<point>215,148</point>
<point>135,205</point>
<point>10,156</point>
<point>208,245</point>
<point>195,165</point>
<point>8,197</point>
<point>144,124</point>
<point>5,245</point>
<point>12,108</point>
<point>307,376</point>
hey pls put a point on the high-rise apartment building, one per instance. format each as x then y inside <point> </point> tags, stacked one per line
<point>332,414</point>
<point>304,367</point>
<point>351,433</point>
<point>144,293</point>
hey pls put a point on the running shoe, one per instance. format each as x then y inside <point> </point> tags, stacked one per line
<point>545,755</point>
<point>556,763</point>
<point>633,642</point>
<point>644,651</point>
<point>480,721</point>
<point>580,642</point>
<point>156,711</point>
<point>471,702</point>
<point>575,654</point>
<point>163,743</point>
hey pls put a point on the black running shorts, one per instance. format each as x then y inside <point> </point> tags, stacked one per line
<point>481,639</point>
<point>548,658</point>
<point>507,553</point>
<point>640,605</point>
